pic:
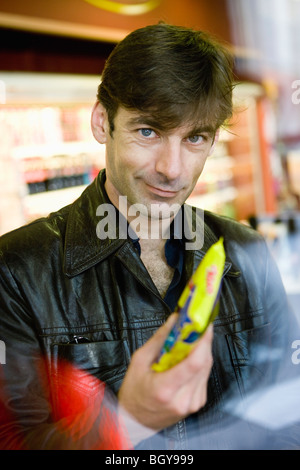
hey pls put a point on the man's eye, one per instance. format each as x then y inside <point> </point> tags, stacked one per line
<point>146,132</point>
<point>195,139</point>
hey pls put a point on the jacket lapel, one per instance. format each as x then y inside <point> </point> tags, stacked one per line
<point>84,245</point>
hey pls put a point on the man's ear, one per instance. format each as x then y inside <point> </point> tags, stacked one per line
<point>99,122</point>
<point>216,139</point>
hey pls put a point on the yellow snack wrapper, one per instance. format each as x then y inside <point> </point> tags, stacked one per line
<point>197,307</point>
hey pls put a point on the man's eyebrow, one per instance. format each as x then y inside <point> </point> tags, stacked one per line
<point>205,129</point>
<point>144,120</point>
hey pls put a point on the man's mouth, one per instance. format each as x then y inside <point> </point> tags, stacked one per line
<point>161,192</point>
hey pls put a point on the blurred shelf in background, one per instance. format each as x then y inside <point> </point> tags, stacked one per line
<point>48,153</point>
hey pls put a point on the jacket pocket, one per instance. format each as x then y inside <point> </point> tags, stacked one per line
<point>251,357</point>
<point>105,360</point>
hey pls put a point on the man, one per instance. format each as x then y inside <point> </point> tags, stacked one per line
<point>94,285</point>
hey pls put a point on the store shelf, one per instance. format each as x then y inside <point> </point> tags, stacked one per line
<point>61,148</point>
<point>41,204</point>
<point>221,201</point>
<point>48,145</point>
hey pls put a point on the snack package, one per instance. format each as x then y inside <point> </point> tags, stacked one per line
<point>197,308</point>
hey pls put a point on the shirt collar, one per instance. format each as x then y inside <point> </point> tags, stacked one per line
<point>173,243</point>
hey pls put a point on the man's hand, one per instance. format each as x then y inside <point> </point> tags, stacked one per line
<point>159,399</point>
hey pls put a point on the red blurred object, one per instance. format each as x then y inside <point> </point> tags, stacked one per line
<point>84,416</point>
<point>84,409</point>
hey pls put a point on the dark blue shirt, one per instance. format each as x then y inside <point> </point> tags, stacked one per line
<point>174,252</point>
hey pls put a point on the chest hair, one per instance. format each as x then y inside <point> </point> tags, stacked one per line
<point>158,268</point>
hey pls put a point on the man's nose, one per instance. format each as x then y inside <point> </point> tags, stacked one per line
<point>169,160</point>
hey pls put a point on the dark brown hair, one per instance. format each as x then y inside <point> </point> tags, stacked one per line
<point>175,74</point>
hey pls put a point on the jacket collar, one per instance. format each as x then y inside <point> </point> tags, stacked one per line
<point>195,221</point>
<point>87,243</point>
<point>84,244</point>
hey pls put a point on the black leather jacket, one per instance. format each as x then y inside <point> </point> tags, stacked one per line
<point>59,281</point>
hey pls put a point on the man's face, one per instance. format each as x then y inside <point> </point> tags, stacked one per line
<point>151,166</point>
